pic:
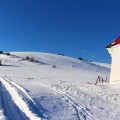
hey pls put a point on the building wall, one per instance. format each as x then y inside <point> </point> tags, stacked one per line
<point>115,68</point>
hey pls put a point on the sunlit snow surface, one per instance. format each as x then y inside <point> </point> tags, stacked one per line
<point>66,92</point>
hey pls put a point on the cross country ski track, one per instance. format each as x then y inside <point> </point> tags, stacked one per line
<point>81,111</point>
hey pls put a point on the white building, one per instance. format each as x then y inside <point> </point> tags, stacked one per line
<point>114,51</point>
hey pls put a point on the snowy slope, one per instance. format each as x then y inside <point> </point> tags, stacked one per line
<point>63,61</point>
<point>67,92</point>
<point>60,61</point>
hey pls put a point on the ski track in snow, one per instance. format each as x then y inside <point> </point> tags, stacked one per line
<point>82,113</point>
<point>17,104</point>
<point>80,109</point>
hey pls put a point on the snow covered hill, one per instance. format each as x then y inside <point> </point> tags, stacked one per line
<point>64,62</point>
<point>60,61</point>
<point>55,87</point>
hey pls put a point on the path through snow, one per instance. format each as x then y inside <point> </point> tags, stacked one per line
<point>17,104</point>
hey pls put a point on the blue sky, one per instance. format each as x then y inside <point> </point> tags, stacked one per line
<point>77,28</point>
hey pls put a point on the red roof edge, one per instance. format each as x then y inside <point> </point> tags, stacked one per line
<point>117,41</point>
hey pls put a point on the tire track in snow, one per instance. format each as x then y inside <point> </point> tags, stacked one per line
<point>27,98</point>
<point>80,109</point>
<point>2,112</point>
<point>9,106</point>
<point>19,100</point>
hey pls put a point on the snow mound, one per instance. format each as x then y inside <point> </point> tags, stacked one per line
<point>102,64</point>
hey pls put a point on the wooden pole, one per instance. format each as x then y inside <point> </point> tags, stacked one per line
<point>102,80</point>
<point>0,62</point>
<point>106,78</point>
<point>98,79</point>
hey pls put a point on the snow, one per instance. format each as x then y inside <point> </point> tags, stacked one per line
<point>102,64</point>
<point>67,92</point>
<point>18,100</point>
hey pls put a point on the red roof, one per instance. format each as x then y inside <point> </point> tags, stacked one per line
<point>117,41</point>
